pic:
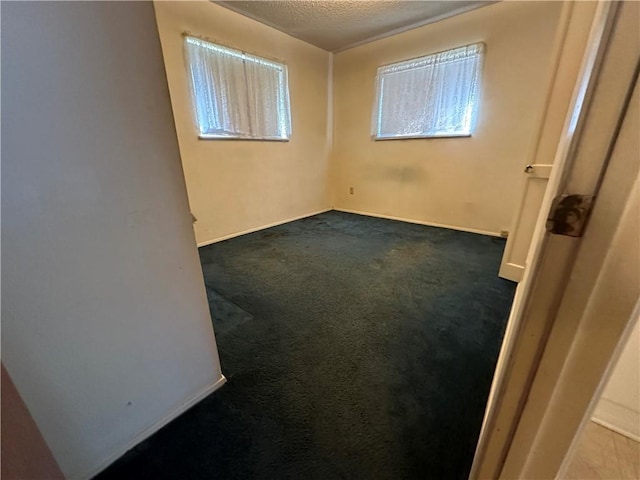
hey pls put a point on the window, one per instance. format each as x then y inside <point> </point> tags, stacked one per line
<point>237,95</point>
<point>432,96</point>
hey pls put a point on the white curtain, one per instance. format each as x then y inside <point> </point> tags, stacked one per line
<point>436,95</point>
<point>236,94</point>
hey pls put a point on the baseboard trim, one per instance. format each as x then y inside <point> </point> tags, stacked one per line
<point>146,433</point>
<point>618,418</point>
<point>613,428</point>
<point>263,227</point>
<point>420,222</point>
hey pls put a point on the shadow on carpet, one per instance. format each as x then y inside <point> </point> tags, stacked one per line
<point>354,347</point>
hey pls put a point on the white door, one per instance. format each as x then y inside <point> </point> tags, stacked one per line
<point>515,254</point>
<point>570,43</point>
<point>577,294</point>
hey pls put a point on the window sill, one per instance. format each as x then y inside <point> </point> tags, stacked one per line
<point>423,137</point>
<point>252,139</point>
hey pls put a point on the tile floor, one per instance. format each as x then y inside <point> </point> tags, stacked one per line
<point>604,454</point>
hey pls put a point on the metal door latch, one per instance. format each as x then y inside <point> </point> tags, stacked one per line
<point>569,214</point>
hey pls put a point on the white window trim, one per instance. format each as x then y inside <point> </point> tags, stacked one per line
<point>211,136</point>
<point>384,138</point>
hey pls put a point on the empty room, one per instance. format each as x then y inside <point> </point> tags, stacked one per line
<point>359,336</point>
<point>265,240</point>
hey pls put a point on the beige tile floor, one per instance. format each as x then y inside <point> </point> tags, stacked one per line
<point>604,454</point>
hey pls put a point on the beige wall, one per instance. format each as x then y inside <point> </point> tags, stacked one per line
<point>469,183</point>
<point>236,186</point>
<point>106,330</point>
<point>619,405</point>
<point>25,454</point>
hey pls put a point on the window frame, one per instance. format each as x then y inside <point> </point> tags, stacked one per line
<point>377,106</point>
<point>246,56</point>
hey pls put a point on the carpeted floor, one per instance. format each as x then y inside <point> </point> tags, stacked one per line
<point>354,347</point>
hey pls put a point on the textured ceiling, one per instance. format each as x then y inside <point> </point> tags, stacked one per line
<point>336,25</point>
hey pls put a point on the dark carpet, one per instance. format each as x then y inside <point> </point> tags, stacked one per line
<point>354,347</point>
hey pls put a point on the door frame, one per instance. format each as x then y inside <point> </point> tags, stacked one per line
<point>635,318</point>
<point>510,443</point>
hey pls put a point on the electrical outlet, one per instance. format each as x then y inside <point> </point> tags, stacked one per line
<point>350,190</point>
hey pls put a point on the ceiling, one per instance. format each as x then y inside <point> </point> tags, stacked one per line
<point>336,25</point>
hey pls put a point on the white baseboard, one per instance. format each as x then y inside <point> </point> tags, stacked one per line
<point>155,427</point>
<point>613,428</point>
<point>618,418</point>
<point>420,222</point>
<point>262,227</point>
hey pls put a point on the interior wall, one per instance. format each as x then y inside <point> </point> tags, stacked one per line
<point>239,185</point>
<point>466,183</point>
<point>619,405</point>
<point>25,454</point>
<point>106,330</point>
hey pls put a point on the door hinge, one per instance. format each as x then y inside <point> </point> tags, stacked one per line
<point>569,214</point>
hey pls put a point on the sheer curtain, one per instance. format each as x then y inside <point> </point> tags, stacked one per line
<point>268,97</point>
<point>235,94</point>
<point>431,96</point>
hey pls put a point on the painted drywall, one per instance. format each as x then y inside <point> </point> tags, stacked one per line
<point>469,183</point>
<point>24,452</point>
<point>106,331</point>
<point>237,185</point>
<point>619,405</point>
